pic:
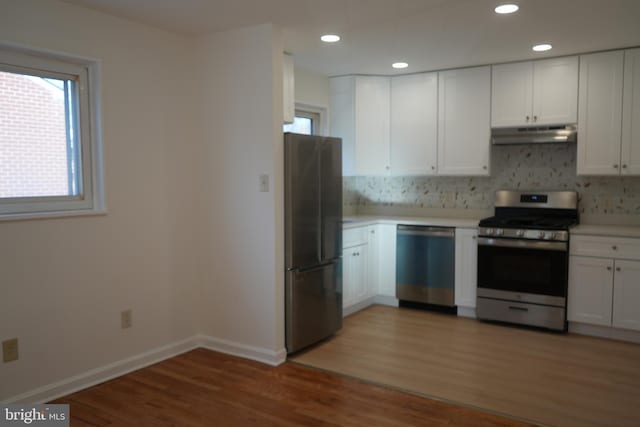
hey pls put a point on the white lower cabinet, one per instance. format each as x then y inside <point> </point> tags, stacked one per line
<point>466,270</point>
<point>590,290</point>
<point>387,264</point>
<point>604,288</point>
<point>368,266</point>
<point>354,275</point>
<point>626,295</point>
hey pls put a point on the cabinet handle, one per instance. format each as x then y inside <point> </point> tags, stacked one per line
<point>608,268</point>
<point>624,166</point>
<point>535,118</point>
<point>527,118</point>
<point>484,167</point>
<point>474,237</point>
<point>614,247</point>
<point>615,166</point>
<point>617,268</point>
<point>388,168</point>
<point>433,168</point>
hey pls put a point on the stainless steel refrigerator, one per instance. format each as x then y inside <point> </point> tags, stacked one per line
<point>313,239</point>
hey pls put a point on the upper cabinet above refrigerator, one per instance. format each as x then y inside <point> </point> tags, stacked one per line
<point>535,93</point>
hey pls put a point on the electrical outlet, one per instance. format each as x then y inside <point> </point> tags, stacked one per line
<point>264,183</point>
<point>126,319</point>
<point>10,350</point>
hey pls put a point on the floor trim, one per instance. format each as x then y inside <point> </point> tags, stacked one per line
<point>108,372</point>
<point>269,357</point>
<point>105,373</point>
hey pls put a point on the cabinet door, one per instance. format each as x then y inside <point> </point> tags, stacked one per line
<point>464,105</point>
<point>372,103</point>
<point>466,267</point>
<point>511,94</point>
<point>631,114</point>
<point>342,119</point>
<point>354,260</point>
<point>626,295</point>
<point>590,290</point>
<point>414,124</point>
<point>555,91</point>
<point>387,260</point>
<point>373,261</point>
<point>600,113</point>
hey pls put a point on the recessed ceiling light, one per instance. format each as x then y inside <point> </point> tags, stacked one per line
<point>506,8</point>
<point>542,47</point>
<point>399,65</point>
<point>330,38</point>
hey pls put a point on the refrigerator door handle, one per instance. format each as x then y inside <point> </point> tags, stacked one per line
<point>314,267</point>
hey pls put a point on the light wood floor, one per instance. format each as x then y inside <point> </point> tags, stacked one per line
<point>548,378</point>
<point>204,388</point>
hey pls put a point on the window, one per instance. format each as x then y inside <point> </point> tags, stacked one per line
<point>305,122</point>
<point>49,138</point>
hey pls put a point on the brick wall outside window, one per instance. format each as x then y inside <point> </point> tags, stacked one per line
<point>33,144</point>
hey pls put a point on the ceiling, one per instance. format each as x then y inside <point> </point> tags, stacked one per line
<point>428,34</point>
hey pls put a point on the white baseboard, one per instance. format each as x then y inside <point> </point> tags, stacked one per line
<point>604,332</point>
<point>105,373</point>
<point>113,370</point>
<point>386,300</point>
<point>270,357</point>
<point>347,311</point>
<point>467,312</point>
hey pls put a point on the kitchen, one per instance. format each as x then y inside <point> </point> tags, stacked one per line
<point>180,232</point>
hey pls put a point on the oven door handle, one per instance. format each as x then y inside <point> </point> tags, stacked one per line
<point>523,244</point>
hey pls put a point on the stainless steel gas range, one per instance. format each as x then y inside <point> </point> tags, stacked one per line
<point>523,258</point>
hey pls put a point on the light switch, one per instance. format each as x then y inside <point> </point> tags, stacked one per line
<point>264,183</point>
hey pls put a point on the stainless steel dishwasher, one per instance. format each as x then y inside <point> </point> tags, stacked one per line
<point>425,264</point>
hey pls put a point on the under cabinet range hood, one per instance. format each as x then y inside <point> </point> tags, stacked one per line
<point>534,135</point>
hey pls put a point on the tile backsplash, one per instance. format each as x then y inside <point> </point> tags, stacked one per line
<point>525,167</point>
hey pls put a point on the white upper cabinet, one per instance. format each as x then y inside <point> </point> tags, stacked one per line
<point>600,113</point>
<point>630,153</point>
<point>511,94</point>
<point>288,89</point>
<point>360,116</point>
<point>531,93</point>
<point>414,124</point>
<point>464,105</point>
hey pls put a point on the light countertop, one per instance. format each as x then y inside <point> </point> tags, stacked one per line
<point>362,220</point>
<point>582,229</point>
<point>606,230</point>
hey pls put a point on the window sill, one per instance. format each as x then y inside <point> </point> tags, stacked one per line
<point>50,215</point>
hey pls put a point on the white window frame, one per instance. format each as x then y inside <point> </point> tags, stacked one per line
<point>315,113</point>
<point>87,74</point>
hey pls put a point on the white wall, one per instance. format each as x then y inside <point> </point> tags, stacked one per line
<point>242,295</point>
<point>311,88</point>
<point>63,282</point>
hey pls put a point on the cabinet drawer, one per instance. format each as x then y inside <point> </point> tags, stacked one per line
<point>354,236</point>
<point>611,247</point>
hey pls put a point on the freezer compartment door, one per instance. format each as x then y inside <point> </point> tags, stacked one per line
<point>313,305</point>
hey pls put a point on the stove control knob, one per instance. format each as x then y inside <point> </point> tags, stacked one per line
<point>520,233</point>
<point>550,235</point>
<point>541,234</point>
<point>499,232</point>
<point>489,231</point>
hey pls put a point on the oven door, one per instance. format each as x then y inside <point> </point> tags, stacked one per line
<point>523,270</point>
